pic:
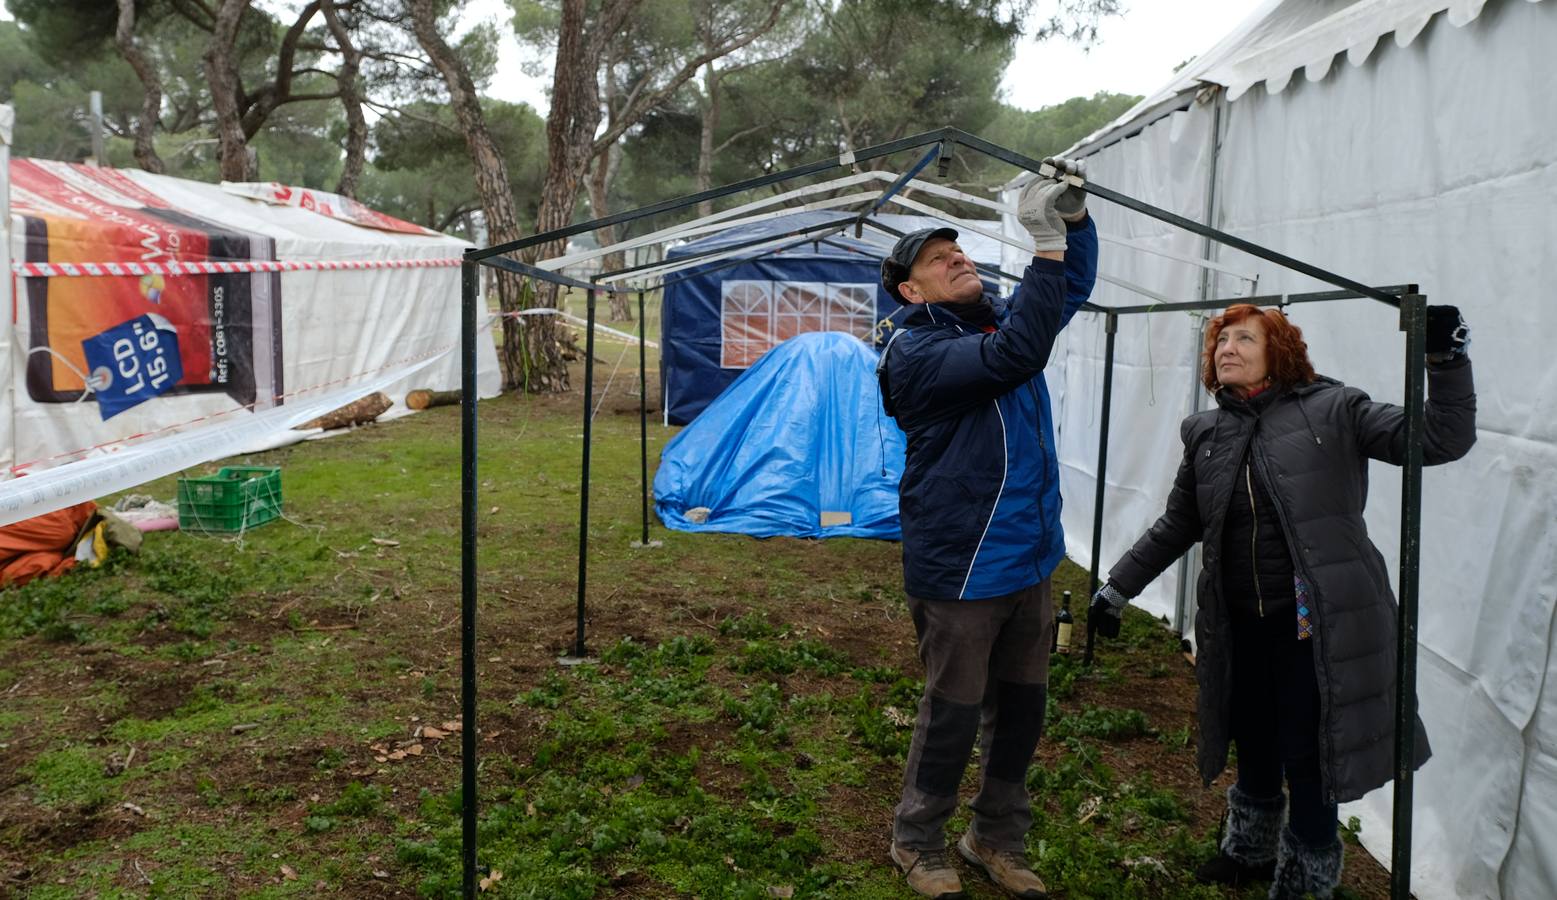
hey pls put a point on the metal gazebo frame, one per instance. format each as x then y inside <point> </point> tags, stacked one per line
<point>942,144</point>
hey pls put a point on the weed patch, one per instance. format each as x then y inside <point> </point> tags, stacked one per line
<point>72,777</point>
<point>780,657</point>
<point>1106,723</point>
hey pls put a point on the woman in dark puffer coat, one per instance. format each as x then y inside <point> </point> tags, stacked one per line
<point>1295,633</point>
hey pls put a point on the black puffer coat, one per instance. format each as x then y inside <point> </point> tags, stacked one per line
<point>1312,445</point>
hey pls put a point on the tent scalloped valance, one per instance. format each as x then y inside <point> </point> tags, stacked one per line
<point>1354,30</point>
<point>1280,38</point>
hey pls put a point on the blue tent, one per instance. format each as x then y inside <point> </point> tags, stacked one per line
<point>722,318</point>
<point>799,445</point>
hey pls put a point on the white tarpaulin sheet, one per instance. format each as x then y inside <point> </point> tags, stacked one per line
<point>314,303</point>
<point>87,479</point>
<point>1433,162</point>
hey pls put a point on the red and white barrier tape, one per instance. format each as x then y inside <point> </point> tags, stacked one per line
<point>218,267</point>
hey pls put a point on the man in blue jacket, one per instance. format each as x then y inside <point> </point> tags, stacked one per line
<point>980,509</point>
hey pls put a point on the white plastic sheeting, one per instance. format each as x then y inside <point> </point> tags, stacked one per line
<point>339,329</point>
<point>1434,162</point>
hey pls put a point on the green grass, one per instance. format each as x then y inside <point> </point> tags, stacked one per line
<point>740,730</point>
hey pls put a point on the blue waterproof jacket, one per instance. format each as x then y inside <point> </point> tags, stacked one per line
<point>980,495</point>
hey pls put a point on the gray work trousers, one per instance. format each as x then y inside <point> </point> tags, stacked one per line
<point>986,676</point>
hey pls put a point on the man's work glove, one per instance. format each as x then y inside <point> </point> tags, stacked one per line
<point>1106,609</point>
<point>1448,337</point>
<point>1046,204</point>
<point>1072,204</point>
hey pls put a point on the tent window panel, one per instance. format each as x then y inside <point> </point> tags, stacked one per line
<point>757,315</point>
<point>851,308</point>
<point>799,307</point>
<point>746,322</point>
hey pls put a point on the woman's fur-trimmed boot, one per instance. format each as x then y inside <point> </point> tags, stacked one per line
<point>1248,849</point>
<point>1302,870</point>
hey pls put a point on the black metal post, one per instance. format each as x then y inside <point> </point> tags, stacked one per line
<point>1110,328</point>
<point>530,271</point>
<point>469,277</point>
<point>583,488</point>
<point>851,158</point>
<point>643,418</point>
<point>1413,321</point>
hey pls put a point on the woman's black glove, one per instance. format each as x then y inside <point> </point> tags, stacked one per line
<point>1448,337</point>
<point>1107,607</point>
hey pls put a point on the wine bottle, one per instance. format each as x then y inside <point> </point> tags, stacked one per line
<point>1062,625</point>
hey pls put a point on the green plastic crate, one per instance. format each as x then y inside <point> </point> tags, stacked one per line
<point>236,498</point>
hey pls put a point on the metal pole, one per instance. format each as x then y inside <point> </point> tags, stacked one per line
<point>1185,583</point>
<point>95,104</point>
<point>8,281</point>
<point>1413,321</point>
<point>851,158</point>
<point>643,418</point>
<point>1208,249</point>
<point>1111,328</point>
<point>468,334</point>
<point>1162,215</point>
<point>583,491</point>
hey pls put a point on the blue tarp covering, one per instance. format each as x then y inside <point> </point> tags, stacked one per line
<point>811,287</point>
<point>798,435</point>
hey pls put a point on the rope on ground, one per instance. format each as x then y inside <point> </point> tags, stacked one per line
<point>601,402</point>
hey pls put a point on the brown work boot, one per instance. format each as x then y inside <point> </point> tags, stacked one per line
<point>929,872</point>
<point>1008,869</point>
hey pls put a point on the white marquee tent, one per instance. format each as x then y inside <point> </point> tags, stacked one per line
<point>1392,141</point>
<point>277,304</point>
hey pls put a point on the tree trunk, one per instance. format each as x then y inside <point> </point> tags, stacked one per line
<point>531,352</point>
<point>255,109</point>
<point>705,144</point>
<point>570,133</point>
<point>221,72</point>
<point>351,99</point>
<point>571,126</point>
<point>600,178</point>
<point>151,82</point>
<point>603,172</point>
<point>239,114</point>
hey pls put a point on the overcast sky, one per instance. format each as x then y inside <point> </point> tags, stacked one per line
<point>1135,53</point>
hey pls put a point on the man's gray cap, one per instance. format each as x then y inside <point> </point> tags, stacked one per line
<point>895,268</point>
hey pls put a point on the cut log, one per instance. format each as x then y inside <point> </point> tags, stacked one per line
<point>357,412</point>
<point>423,398</point>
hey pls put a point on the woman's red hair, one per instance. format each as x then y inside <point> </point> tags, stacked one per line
<point>1286,354</point>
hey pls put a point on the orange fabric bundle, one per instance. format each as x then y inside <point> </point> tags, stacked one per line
<point>42,545</point>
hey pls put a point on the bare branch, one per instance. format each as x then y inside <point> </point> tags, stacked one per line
<point>458,212</point>
<point>390,108</point>
<point>197,12</point>
<point>259,107</point>
<point>727,142</point>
